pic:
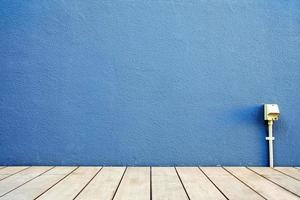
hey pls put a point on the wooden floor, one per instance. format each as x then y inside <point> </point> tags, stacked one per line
<point>157,183</point>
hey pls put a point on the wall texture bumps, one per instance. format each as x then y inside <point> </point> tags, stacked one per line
<point>148,82</point>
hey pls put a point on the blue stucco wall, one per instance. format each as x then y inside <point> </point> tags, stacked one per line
<point>138,82</point>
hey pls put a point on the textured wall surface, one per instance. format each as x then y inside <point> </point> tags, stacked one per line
<point>139,82</point>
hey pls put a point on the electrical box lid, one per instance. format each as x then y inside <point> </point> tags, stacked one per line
<point>271,112</point>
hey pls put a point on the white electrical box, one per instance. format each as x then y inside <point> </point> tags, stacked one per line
<point>271,112</point>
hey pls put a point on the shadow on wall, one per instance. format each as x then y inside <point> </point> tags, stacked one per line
<point>247,114</point>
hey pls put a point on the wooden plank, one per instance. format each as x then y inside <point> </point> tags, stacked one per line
<point>37,186</point>
<point>104,185</point>
<point>266,188</point>
<point>231,187</point>
<point>197,185</point>
<point>166,184</point>
<point>135,184</point>
<point>12,182</point>
<point>283,180</point>
<point>290,171</point>
<point>70,186</point>
<point>8,171</point>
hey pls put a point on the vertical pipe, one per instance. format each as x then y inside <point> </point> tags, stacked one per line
<point>270,138</point>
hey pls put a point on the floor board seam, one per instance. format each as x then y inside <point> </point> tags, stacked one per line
<point>26,182</point>
<point>150,183</point>
<point>213,183</point>
<point>3,167</point>
<point>182,184</point>
<point>56,183</point>
<point>273,182</point>
<point>88,183</point>
<point>244,183</point>
<point>15,173</point>
<point>286,174</point>
<point>119,183</point>
<point>296,168</point>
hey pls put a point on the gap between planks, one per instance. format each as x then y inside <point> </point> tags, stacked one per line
<point>155,183</point>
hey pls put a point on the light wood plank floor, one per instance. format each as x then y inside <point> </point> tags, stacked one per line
<point>149,183</point>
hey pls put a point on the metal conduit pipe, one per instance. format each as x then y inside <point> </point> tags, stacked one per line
<point>271,112</point>
<point>271,139</point>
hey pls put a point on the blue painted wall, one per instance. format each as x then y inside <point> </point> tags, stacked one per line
<point>137,82</point>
